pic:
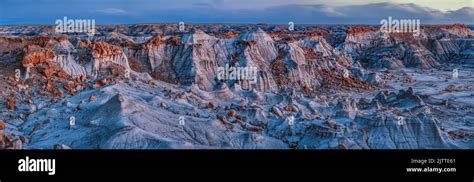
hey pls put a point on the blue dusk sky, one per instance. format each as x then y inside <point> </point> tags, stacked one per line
<point>236,11</point>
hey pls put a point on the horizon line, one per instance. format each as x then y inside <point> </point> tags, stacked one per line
<point>192,23</point>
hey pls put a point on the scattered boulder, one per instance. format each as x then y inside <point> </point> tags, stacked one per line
<point>11,103</point>
<point>16,145</point>
<point>164,105</point>
<point>92,98</point>
<point>2,125</point>
<point>23,139</point>
<point>277,111</point>
<point>232,113</point>
<point>61,147</point>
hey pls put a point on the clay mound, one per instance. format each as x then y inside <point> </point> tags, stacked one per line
<point>416,132</point>
<point>404,98</point>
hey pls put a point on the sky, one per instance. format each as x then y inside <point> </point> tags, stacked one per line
<point>236,11</point>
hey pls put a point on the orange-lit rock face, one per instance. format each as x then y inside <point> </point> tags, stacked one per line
<point>228,35</point>
<point>406,37</point>
<point>459,29</point>
<point>175,40</point>
<point>155,41</point>
<point>35,54</point>
<point>358,30</point>
<point>103,55</point>
<point>451,27</point>
<point>2,126</point>
<point>9,44</point>
<point>249,43</point>
<point>297,35</point>
<point>103,49</point>
<point>48,72</point>
<point>11,103</point>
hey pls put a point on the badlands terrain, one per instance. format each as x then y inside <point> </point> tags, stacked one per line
<point>151,86</point>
